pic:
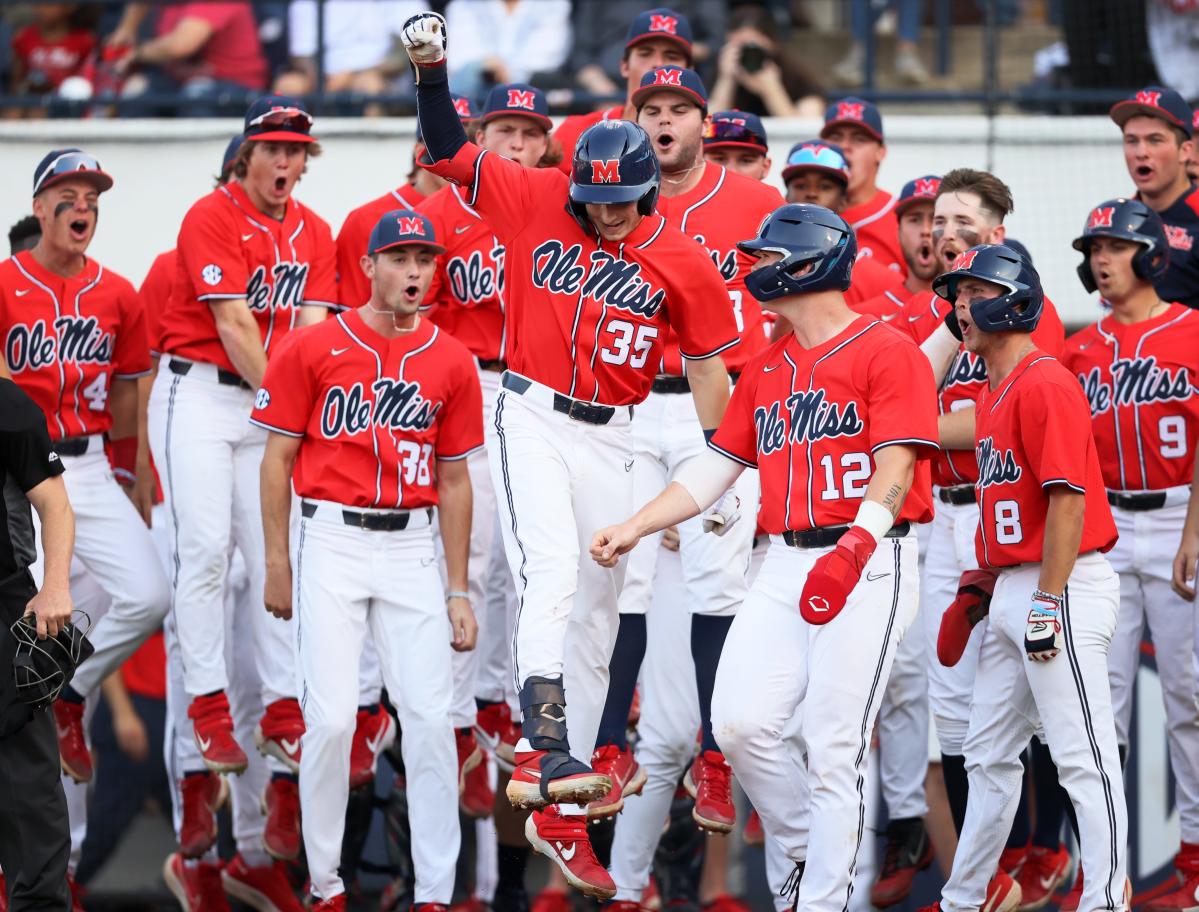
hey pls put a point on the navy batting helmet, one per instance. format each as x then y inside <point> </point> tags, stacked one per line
<point>804,234</point>
<point>614,162</point>
<point>1019,310</point>
<point>1131,220</point>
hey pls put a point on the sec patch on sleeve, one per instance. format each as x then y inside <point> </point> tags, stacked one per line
<point>211,274</point>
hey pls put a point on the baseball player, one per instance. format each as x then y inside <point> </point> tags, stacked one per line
<point>818,173</point>
<point>352,285</point>
<point>856,127</point>
<point>657,37</point>
<point>736,140</point>
<point>252,262</point>
<point>1052,596</point>
<point>1192,163</point>
<point>718,209</point>
<point>914,212</point>
<point>593,279</point>
<point>75,341</point>
<point>835,417</point>
<point>372,416</point>
<point>1158,142</point>
<point>1138,368</point>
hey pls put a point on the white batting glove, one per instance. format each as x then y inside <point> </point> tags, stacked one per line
<point>1043,634</point>
<point>424,38</point>
<point>722,515</point>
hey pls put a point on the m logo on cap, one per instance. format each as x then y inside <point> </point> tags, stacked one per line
<point>1101,217</point>
<point>965,260</point>
<point>926,186</point>
<point>849,110</point>
<point>605,171</point>
<point>411,225</point>
<point>1149,98</point>
<point>462,106</point>
<point>668,24</point>
<point>668,77</point>
<point>520,99</point>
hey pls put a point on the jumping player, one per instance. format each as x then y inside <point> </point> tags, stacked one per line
<point>1138,368</point>
<point>1158,142</point>
<point>75,342</point>
<point>835,416</point>
<point>372,416</point>
<point>593,280</point>
<point>736,140</point>
<point>856,126</point>
<point>914,212</point>
<point>1044,524</point>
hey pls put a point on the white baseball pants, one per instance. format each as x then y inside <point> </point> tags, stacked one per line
<point>1071,697</point>
<point>903,730</point>
<point>348,581</point>
<point>558,481</point>
<point>775,665</point>
<point>1142,558</point>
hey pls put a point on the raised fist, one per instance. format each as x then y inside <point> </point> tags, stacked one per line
<point>424,38</point>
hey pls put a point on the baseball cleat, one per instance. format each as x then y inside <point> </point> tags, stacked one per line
<point>280,733</point>
<point>73,753</point>
<point>1003,894</point>
<point>564,841</point>
<point>432,907</point>
<point>196,884</point>
<point>571,782</point>
<point>627,775</point>
<point>1012,860</point>
<point>1069,902</point>
<point>202,795</point>
<point>753,834</point>
<point>497,733</point>
<point>550,900</point>
<point>622,905</point>
<point>281,805</point>
<point>265,889</point>
<point>1042,872</point>
<point>374,732</point>
<point>469,755</point>
<point>726,903</point>
<point>336,904</point>
<point>710,782</point>
<point>1183,899</point>
<point>908,851</point>
<point>213,730</point>
<point>478,797</point>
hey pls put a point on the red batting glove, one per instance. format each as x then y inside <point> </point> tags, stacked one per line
<point>834,575</point>
<point>971,605</point>
<point>122,456</point>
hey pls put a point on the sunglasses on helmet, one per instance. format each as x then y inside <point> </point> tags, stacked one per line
<point>67,164</point>
<point>729,131</point>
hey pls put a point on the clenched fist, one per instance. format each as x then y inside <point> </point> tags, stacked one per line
<point>424,38</point>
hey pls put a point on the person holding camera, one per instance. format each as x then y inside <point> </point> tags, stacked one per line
<point>752,73</point>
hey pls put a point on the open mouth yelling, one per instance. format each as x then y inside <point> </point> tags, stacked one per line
<point>80,229</point>
<point>412,294</point>
<point>280,184</point>
<point>664,142</point>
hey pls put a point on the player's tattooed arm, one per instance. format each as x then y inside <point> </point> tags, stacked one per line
<point>278,460</point>
<point>893,500</point>
<point>894,469</point>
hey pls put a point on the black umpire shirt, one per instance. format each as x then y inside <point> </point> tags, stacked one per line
<point>27,458</point>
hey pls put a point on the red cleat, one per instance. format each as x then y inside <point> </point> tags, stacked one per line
<point>336,904</point>
<point>3,893</point>
<point>76,759</point>
<point>628,778</point>
<point>77,894</point>
<point>622,905</point>
<point>281,804</point>
<point>1183,899</point>
<point>478,797</point>
<point>374,732</point>
<point>753,834</point>
<point>571,782</point>
<point>197,885</point>
<point>266,888</point>
<point>1043,871</point>
<point>551,901</point>
<point>203,794</point>
<point>908,851</point>
<point>564,841</point>
<point>469,755</point>
<point>710,782</point>
<point>280,732</point>
<point>213,730</point>
<point>497,733</point>
<point>726,903</point>
<point>651,899</point>
<point>1003,894</point>
<point>1012,860</point>
<point>471,905</point>
<point>1069,902</point>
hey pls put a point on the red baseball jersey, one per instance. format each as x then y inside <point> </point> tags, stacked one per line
<point>353,287</point>
<point>889,305</point>
<point>967,376</point>
<point>587,317</point>
<point>877,228</point>
<point>466,296</point>
<point>721,210</point>
<point>871,279</point>
<point>66,340</point>
<point>374,414</point>
<point>1033,433</point>
<point>811,421</point>
<point>572,128</point>
<point>155,295</point>
<point>227,250</point>
<point>1140,380</point>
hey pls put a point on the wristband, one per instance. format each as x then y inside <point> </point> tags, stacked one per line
<point>875,519</point>
<point>1040,595</point>
<point>457,593</point>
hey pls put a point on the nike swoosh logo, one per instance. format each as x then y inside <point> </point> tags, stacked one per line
<point>767,370</point>
<point>21,292</point>
<point>1048,883</point>
<point>567,854</point>
<point>461,228</point>
<point>203,743</point>
<point>628,466</point>
<point>871,577</point>
<point>914,319</point>
<point>339,351</point>
<point>290,746</point>
<point>487,741</point>
<point>246,237</point>
<point>373,743</point>
<point>1085,346</point>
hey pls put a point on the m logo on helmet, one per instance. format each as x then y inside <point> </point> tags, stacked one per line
<point>668,77</point>
<point>1149,98</point>
<point>926,186</point>
<point>462,106</point>
<point>965,260</point>
<point>848,110</point>
<point>1101,217</point>
<point>605,171</point>
<point>668,24</point>
<point>411,225</point>
<point>520,99</point>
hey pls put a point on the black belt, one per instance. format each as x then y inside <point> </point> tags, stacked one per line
<point>666,384</point>
<point>577,409</point>
<point>495,365</point>
<point>71,446</point>
<point>372,522</point>
<point>958,495</point>
<point>828,536</point>
<point>1153,500</point>
<point>223,377</point>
